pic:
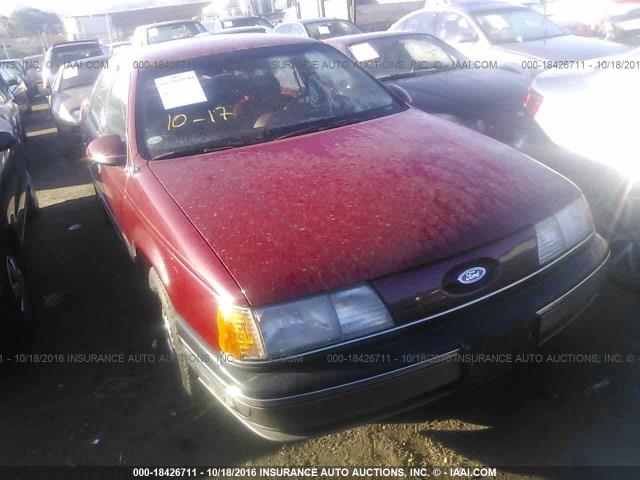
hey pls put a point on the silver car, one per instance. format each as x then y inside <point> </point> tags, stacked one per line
<point>72,86</point>
<point>68,52</point>
<point>592,116</point>
<point>517,38</point>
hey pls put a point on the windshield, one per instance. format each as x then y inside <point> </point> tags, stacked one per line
<point>71,53</point>
<point>80,74</point>
<point>250,97</point>
<point>405,55</point>
<point>331,29</point>
<point>175,31</point>
<point>508,26</point>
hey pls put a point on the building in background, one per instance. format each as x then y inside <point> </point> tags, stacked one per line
<point>112,26</point>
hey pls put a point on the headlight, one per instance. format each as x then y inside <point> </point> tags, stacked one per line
<point>563,231</point>
<point>298,326</point>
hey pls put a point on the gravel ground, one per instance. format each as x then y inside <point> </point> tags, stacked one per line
<point>89,299</point>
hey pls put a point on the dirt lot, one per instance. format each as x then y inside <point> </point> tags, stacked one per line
<point>90,300</point>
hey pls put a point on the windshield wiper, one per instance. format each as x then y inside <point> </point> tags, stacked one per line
<point>396,76</point>
<point>195,151</point>
<point>317,128</point>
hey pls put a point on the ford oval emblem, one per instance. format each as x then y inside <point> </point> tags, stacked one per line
<point>473,275</point>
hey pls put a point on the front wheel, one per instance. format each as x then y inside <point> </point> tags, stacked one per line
<point>19,293</point>
<point>170,320</point>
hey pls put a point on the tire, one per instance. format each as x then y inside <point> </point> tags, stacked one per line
<point>20,302</point>
<point>170,318</point>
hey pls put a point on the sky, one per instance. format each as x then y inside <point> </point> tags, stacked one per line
<point>78,7</point>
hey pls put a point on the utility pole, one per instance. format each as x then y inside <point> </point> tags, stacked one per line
<point>4,47</point>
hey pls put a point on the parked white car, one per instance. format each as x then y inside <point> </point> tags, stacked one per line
<point>593,116</point>
<point>593,112</point>
<point>165,32</point>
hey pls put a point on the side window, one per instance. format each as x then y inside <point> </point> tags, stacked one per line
<point>421,23</point>
<point>454,28</point>
<point>298,30</point>
<point>115,114</point>
<point>99,96</point>
<point>284,29</point>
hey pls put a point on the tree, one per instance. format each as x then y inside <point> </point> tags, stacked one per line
<point>6,28</point>
<point>27,22</point>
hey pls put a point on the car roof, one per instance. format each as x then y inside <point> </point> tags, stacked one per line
<point>250,29</point>
<point>239,17</point>
<point>169,22</point>
<point>476,6</point>
<point>75,42</point>
<point>190,48</point>
<point>307,21</point>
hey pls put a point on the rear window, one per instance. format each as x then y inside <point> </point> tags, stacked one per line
<point>404,55</point>
<point>245,22</point>
<point>166,33</point>
<point>71,53</point>
<point>81,74</point>
<point>335,28</point>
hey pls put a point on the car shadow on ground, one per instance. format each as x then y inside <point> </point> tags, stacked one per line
<point>96,384</point>
<point>577,406</point>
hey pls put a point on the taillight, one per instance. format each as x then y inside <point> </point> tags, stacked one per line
<point>533,102</point>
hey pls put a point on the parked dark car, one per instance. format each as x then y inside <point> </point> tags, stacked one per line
<point>318,28</point>
<point>18,203</point>
<point>442,81</point>
<point>68,52</point>
<point>72,86</point>
<point>14,84</point>
<point>10,112</point>
<point>323,252</point>
<point>516,37</point>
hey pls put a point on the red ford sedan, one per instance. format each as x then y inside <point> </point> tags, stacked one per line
<point>324,253</point>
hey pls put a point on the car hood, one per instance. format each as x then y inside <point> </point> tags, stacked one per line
<point>467,93</point>
<point>566,47</point>
<point>322,211</point>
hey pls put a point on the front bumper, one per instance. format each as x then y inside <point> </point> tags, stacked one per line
<point>291,399</point>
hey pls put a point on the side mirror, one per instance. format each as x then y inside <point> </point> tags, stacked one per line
<point>400,93</point>
<point>7,140</point>
<point>108,150</point>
